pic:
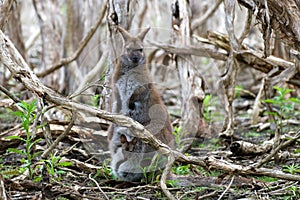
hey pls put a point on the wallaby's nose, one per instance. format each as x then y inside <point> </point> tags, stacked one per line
<point>135,57</point>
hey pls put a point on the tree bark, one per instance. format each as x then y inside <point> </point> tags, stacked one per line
<point>283,17</point>
<point>50,20</point>
<point>192,84</point>
<point>14,28</point>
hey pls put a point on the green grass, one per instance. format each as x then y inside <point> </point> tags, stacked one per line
<point>266,178</point>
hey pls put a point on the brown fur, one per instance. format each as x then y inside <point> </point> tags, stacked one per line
<point>135,96</point>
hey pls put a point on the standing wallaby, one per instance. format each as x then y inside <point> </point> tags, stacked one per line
<point>135,96</point>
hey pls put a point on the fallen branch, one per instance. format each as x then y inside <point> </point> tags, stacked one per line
<point>98,186</point>
<point>279,147</point>
<point>249,57</point>
<point>227,188</point>
<point>59,138</point>
<point>242,148</point>
<point>164,175</point>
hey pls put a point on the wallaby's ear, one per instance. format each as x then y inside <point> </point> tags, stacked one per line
<point>126,36</point>
<point>142,34</point>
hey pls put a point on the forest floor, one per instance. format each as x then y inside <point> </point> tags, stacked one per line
<point>72,173</point>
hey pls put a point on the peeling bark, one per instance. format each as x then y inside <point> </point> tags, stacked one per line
<point>282,16</point>
<point>192,83</point>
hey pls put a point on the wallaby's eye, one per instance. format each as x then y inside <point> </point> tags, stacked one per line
<point>140,50</point>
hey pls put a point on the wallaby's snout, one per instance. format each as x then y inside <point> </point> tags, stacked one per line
<point>135,55</point>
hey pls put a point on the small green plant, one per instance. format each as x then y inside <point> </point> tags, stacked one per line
<point>286,105</point>
<point>177,133</point>
<point>53,164</point>
<point>181,169</point>
<point>292,169</point>
<point>238,90</point>
<point>297,150</point>
<point>266,178</point>
<point>206,105</point>
<point>295,192</point>
<point>172,183</point>
<point>150,172</point>
<point>27,116</point>
<point>212,144</point>
<point>95,100</point>
<point>103,171</point>
<point>252,134</point>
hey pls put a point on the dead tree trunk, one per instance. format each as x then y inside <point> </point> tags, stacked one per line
<point>50,20</point>
<point>14,28</point>
<point>192,85</point>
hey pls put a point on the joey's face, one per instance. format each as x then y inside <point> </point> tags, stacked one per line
<point>134,50</point>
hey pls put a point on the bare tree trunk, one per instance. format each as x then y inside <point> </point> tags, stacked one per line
<point>50,19</point>
<point>7,15</point>
<point>73,35</point>
<point>14,29</point>
<point>81,16</point>
<point>192,85</point>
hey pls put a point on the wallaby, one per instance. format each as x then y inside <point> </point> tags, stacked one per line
<point>135,96</point>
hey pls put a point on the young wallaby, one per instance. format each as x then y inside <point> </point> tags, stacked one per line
<point>135,96</point>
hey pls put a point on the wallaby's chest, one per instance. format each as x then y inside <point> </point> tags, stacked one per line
<point>127,84</point>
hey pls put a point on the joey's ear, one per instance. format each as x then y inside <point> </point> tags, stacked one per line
<point>142,34</point>
<point>123,139</point>
<point>126,36</point>
<point>134,141</point>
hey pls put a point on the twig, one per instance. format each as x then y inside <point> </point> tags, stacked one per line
<point>283,188</point>
<point>209,13</point>
<point>208,196</point>
<point>247,27</point>
<point>90,177</point>
<point>257,103</point>
<point>30,42</point>
<point>171,160</point>
<point>82,44</point>
<point>281,146</point>
<point>2,189</point>
<point>59,138</point>
<point>9,94</point>
<point>66,151</point>
<point>5,10</point>
<point>190,50</point>
<point>227,188</point>
<point>98,69</point>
